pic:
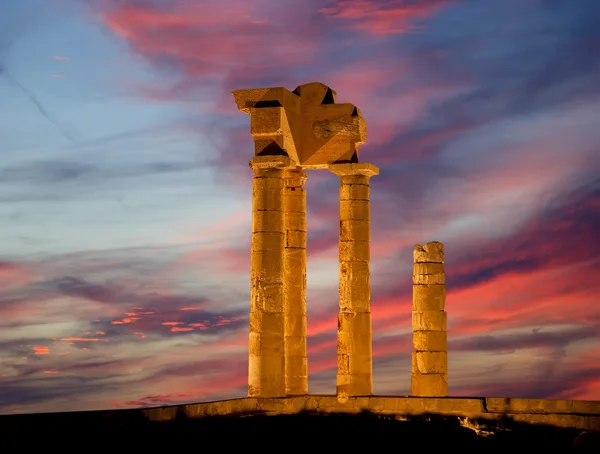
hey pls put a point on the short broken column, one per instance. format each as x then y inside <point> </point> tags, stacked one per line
<point>355,351</point>
<point>429,322</point>
<point>294,259</point>
<point>266,360</point>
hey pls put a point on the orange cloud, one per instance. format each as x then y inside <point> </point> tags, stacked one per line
<point>80,339</point>
<point>176,329</point>
<point>41,350</point>
<point>58,57</point>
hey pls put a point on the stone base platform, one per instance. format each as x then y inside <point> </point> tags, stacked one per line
<point>577,414</point>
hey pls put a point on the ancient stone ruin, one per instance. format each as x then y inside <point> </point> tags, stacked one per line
<point>305,129</point>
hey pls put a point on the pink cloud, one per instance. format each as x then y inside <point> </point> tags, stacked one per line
<point>383,18</point>
<point>215,40</point>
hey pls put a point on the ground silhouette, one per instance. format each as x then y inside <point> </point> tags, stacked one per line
<point>304,431</point>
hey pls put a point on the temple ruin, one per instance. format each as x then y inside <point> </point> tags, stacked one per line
<point>295,131</point>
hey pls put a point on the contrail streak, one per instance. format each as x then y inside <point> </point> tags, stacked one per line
<point>40,108</point>
<point>4,47</point>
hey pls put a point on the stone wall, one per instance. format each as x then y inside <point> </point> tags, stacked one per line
<point>578,414</point>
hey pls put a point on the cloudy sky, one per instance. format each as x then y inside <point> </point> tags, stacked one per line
<point>125,192</point>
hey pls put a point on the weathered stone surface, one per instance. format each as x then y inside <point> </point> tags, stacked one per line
<point>313,130</point>
<point>266,344</point>
<point>355,230</point>
<point>268,121</point>
<point>429,385</point>
<point>354,173</point>
<point>267,297</point>
<point>354,385</point>
<point>267,221</point>
<point>355,191</point>
<point>296,203</point>
<point>430,362</point>
<point>295,347</point>
<point>429,298</point>
<point>295,264</point>
<point>433,341</point>
<point>355,293</point>
<point>432,252</point>
<point>428,273</point>
<point>263,322</point>
<point>354,321</point>
<point>349,271</point>
<point>354,343</point>
<point>266,362</point>
<point>269,242</point>
<point>295,324</point>
<point>354,210</point>
<point>294,257</point>
<point>429,321</point>
<point>266,376</point>
<point>544,411</point>
<point>354,251</point>
<point>295,131</point>
<point>296,239</point>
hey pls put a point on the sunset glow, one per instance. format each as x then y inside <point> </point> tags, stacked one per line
<point>126,192</point>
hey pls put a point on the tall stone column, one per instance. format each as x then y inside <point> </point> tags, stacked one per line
<point>355,351</point>
<point>266,361</point>
<point>429,322</point>
<point>294,264</point>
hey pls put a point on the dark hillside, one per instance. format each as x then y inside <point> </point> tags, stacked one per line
<point>87,431</point>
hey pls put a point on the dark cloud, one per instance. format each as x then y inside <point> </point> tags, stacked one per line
<point>537,338</point>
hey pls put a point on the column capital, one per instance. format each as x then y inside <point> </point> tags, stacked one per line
<point>352,169</point>
<point>294,176</point>
<point>269,162</point>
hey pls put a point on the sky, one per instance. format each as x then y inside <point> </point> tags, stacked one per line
<point>125,191</point>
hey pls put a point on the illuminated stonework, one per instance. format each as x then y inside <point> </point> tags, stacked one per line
<point>430,359</point>
<point>294,131</point>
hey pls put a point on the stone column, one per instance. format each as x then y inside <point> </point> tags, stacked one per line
<point>355,353</point>
<point>430,358</point>
<point>266,361</point>
<point>294,264</point>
